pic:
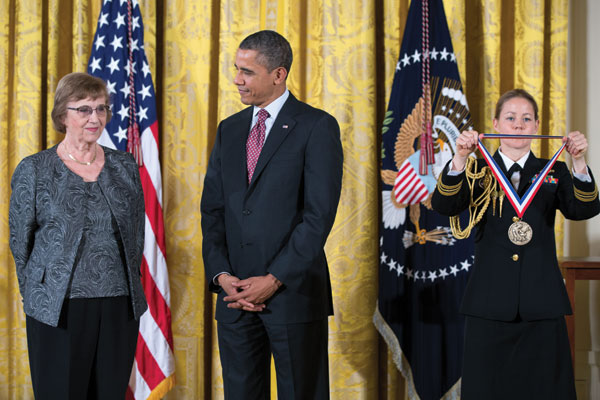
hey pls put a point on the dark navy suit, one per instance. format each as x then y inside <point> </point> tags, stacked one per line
<point>278,223</point>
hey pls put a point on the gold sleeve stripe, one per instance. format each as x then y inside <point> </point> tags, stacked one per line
<point>448,190</point>
<point>586,196</point>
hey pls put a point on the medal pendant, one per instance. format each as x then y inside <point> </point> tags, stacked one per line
<point>520,233</point>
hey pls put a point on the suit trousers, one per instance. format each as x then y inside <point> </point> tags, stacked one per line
<point>89,355</point>
<point>299,351</point>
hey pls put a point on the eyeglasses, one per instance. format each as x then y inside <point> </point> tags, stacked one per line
<point>86,111</point>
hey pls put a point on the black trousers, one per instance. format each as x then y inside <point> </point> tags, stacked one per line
<point>89,355</point>
<point>299,351</point>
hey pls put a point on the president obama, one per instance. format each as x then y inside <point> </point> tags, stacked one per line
<point>270,197</point>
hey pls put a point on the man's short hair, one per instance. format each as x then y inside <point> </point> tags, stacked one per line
<point>274,50</point>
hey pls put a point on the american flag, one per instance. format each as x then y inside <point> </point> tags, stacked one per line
<point>118,58</point>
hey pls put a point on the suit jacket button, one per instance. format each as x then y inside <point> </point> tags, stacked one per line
<point>515,257</point>
<point>246,212</point>
<point>515,219</point>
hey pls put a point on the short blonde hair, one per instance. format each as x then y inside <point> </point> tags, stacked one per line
<point>74,87</point>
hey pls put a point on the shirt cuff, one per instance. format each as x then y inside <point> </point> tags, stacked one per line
<point>216,278</point>
<point>452,172</point>
<point>583,177</point>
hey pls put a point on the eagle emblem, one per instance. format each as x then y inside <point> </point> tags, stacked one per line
<point>411,189</point>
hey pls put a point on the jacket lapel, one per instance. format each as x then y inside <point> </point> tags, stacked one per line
<point>532,167</point>
<point>233,151</point>
<point>239,159</point>
<point>111,182</point>
<point>282,126</point>
<point>498,158</point>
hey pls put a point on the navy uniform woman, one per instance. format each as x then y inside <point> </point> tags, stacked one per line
<point>516,343</point>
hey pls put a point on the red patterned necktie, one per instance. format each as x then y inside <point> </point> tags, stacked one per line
<point>255,142</point>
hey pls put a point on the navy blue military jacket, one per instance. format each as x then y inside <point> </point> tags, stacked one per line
<point>510,280</point>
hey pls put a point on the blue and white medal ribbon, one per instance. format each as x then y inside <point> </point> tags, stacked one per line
<point>519,204</point>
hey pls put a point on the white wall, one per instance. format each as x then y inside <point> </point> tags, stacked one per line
<point>582,238</point>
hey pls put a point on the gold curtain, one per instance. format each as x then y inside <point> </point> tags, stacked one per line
<point>345,54</point>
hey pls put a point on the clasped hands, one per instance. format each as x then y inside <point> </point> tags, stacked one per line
<point>248,294</point>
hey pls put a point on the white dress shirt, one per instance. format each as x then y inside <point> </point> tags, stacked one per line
<point>273,109</point>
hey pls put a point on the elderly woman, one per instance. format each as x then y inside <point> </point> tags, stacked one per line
<point>77,234</point>
<point>516,343</point>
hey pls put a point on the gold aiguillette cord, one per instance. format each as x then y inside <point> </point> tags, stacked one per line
<point>479,205</point>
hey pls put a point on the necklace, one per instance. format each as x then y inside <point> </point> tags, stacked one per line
<point>81,162</point>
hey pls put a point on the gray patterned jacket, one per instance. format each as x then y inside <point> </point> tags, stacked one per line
<point>46,226</point>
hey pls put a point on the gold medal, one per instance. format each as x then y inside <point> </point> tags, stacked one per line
<point>519,232</point>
